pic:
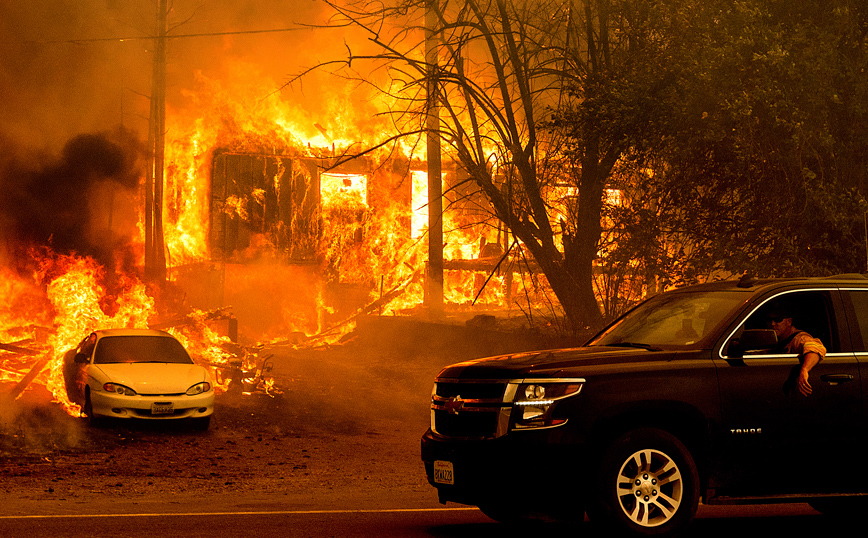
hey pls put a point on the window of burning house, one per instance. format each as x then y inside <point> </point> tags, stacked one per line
<point>344,190</point>
<point>263,206</point>
<point>419,203</point>
<point>452,202</point>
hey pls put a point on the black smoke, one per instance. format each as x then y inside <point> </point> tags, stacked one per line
<point>82,201</point>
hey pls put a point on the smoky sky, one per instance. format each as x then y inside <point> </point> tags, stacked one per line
<point>62,73</point>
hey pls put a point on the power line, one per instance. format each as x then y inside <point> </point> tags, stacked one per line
<point>146,38</point>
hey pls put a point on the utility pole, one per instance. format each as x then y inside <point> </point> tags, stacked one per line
<point>434,282</point>
<point>155,255</point>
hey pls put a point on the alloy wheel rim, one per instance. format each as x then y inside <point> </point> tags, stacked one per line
<point>650,487</point>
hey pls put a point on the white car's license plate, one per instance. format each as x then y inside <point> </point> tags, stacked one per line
<point>444,472</point>
<point>161,408</point>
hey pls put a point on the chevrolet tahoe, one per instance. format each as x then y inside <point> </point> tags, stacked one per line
<point>686,398</point>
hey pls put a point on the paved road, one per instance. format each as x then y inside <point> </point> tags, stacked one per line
<point>793,521</point>
<point>271,524</point>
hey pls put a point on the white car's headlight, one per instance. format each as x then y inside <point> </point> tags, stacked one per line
<point>535,400</point>
<point>118,389</point>
<point>199,388</point>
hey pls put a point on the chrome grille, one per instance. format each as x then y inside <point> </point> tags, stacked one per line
<point>465,424</point>
<point>468,409</point>
<point>476,391</point>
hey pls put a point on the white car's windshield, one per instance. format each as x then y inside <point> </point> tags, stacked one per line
<point>114,349</point>
<point>677,319</point>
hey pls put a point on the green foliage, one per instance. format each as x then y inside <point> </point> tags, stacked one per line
<point>756,157</point>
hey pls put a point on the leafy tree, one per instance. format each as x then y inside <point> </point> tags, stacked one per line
<point>758,162</point>
<point>622,81</point>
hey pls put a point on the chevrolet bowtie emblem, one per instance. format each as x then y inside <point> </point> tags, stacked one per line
<point>454,405</point>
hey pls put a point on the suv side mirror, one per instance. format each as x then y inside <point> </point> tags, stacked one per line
<point>81,358</point>
<point>752,340</point>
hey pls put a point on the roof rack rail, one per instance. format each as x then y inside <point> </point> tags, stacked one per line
<point>849,276</point>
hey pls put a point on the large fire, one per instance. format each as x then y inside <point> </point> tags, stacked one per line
<point>292,249</point>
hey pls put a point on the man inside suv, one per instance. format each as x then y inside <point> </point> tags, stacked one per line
<point>792,340</point>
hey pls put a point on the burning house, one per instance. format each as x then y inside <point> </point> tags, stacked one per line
<point>292,231</point>
<point>314,243</point>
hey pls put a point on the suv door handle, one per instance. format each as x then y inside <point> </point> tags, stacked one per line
<point>836,379</point>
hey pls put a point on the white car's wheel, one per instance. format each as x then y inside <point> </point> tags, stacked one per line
<point>92,419</point>
<point>202,423</point>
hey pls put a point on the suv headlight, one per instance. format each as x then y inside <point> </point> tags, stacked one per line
<point>535,400</point>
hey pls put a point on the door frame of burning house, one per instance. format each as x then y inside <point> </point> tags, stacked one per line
<point>264,204</point>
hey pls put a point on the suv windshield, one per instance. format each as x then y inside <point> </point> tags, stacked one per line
<point>113,349</point>
<point>676,319</point>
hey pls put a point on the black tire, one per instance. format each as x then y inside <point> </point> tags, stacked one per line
<point>202,423</point>
<point>842,509</point>
<point>565,505</point>
<point>647,485</point>
<point>520,516</point>
<point>92,419</point>
<point>504,514</point>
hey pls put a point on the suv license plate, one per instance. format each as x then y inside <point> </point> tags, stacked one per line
<point>444,472</point>
<point>162,408</point>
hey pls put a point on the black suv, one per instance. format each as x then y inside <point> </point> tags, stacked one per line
<point>685,397</point>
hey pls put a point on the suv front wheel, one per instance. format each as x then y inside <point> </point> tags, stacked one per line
<point>648,485</point>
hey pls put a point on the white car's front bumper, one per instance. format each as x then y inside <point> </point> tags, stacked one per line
<point>160,407</point>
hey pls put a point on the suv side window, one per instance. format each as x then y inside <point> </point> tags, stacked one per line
<point>856,302</point>
<point>810,310</point>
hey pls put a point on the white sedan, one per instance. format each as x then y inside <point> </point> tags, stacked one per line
<point>137,373</point>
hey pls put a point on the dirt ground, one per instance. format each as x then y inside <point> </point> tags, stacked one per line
<point>345,422</point>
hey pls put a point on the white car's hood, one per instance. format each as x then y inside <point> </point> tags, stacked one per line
<point>153,377</point>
